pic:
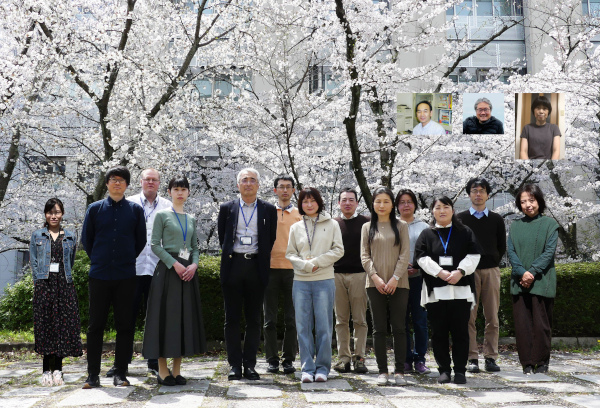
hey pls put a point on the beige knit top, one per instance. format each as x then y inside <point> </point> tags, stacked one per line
<point>382,256</point>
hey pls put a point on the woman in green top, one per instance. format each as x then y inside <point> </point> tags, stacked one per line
<point>531,247</point>
<point>174,325</point>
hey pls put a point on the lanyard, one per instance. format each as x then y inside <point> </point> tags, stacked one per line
<point>445,245</point>
<point>184,233</point>
<point>310,239</point>
<point>251,215</point>
<point>146,216</point>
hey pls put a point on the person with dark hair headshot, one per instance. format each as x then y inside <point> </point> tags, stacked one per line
<point>113,235</point>
<point>490,231</point>
<point>448,253</point>
<point>174,327</point>
<point>426,126</point>
<point>406,203</point>
<point>350,292</point>
<point>281,281</point>
<point>315,244</point>
<point>483,123</point>
<point>531,247</point>
<point>385,252</point>
<point>247,228</point>
<point>56,323</point>
<point>542,139</point>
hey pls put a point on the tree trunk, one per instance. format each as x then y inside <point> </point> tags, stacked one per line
<point>11,162</point>
<point>568,236</point>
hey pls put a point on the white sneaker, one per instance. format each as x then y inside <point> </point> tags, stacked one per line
<point>320,378</point>
<point>399,379</point>
<point>307,378</point>
<point>57,378</point>
<point>382,379</point>
<point>47,379</point>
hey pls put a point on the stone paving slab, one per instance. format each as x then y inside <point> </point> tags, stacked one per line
<point>371,379</point>
<point>133,381</point>
<point>255,404</point>
<point>518,376</point>
<point>18,402</point>
<point>97,396</point>
<point>328,385</point>
<point>73,377</point>
<point>419,403</point>
<point>344,406</point>
<point>332,397</point>
<point>332,374</point>
<point>263,380</point>
<point>559,387</point>
<point>179,401</point>
<point>254,391</point>
<point>591,378</point>
<point>540,406</point>
<point>15,373</point>
<point>587,401</point>
<point>197,374</point>
<point>569,369</point>
<point>32,391</point>
<point>476,382</point>
<point>407,391</point>
<point>499,397</point>
<point>201,385</point>
<point>4,380</point>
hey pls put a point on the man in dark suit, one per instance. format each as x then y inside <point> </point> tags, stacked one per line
<point>247,228</point>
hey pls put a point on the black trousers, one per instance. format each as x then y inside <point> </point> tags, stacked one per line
<point>243,289</point>
<point>381,307</point>
<point>533,328</point>
<point>450,317</point>
<point>142,290</point>
<point>103,294</point>
<point>281,281</point>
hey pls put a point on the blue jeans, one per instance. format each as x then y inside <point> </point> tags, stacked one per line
<point>416,350</point>
<point>313,303</point>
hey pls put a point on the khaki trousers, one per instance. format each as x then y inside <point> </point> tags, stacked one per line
<point>350,297</point>
<point>487,286</point>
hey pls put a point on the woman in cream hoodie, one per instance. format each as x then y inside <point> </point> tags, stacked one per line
<point>314,245</point>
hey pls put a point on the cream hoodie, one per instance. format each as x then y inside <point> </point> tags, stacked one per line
<point>327,248</point>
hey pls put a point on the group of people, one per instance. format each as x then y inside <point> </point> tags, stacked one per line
<point>144,248</point>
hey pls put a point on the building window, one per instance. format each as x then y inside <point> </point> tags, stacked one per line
<point>50,165</point>
<point>488,8</point>
<point>323,79</point>
<point>221,86</point>
<point>590,7</point>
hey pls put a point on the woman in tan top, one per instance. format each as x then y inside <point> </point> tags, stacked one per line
<point>385,252</point>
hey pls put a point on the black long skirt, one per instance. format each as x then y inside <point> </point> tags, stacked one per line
<point>174,326</point>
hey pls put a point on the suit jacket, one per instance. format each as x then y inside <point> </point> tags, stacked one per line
<point>267,230</point>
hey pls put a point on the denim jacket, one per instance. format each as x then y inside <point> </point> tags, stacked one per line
<point>40,249</point>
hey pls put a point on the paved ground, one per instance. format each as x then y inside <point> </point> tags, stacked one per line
<point>574,381</point>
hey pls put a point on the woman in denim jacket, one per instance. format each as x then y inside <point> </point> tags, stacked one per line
<point>57,328</point>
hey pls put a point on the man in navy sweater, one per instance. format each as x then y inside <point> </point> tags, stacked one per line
<point>113,235</point>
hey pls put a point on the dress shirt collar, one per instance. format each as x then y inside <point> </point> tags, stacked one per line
<point>439,226</point>
<point>243,203</point>
<point>351,217</point>
<point>288,208</point>
<point>473,211</point>
<point>110,201</point>
<point>146,201</point>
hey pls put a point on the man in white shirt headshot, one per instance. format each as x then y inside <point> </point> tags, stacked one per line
<point>426,127</point>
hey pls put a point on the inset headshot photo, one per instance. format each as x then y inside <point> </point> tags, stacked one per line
<point>426,114</point>
<point>483,113</point>
<point>540,125</point>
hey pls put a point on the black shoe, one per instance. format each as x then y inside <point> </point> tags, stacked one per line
<point>251,374</point>
<point>93,381</point>
<point>111,372</point>
<point>359,366</point>
<point>120,379</point>
<point>490,365</point>
<point>180,380</point>
<point>541,369</point>
<point>273,367</point>
<point>169,381</point>
<point>342,367</point>
<point>288,367</point>
<point>153,369</point>
<point>473,366</point>
<point>235,374</point>
<point>528,369</point>
<point>460,378</point>
<point>444,378</point>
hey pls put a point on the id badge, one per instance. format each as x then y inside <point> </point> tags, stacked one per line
<point>54,267</point>
<point>184,254</point>
<point>308,258</point>
<point>246,240</point>
<point>445,261</point>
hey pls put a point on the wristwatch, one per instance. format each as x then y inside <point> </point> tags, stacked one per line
<point>462,271</point>
<point>397,277</point>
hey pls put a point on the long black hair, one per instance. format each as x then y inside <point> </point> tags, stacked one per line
<point>393,220</point>
<point>447,201</point>
<point>50,204</point>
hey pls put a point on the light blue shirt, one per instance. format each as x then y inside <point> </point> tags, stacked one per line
<point>473,211</point>
<point>245,210</point>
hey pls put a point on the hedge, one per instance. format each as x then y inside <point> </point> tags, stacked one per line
<point>575,308</point>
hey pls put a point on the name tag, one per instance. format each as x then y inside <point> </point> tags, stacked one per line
<point>184,254</point>
<point>446,261</point>
<point>54,267</point>
<point>308,258</point>
<point>246,240</point>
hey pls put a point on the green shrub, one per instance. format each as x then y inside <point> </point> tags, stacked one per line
<point>16,306</point>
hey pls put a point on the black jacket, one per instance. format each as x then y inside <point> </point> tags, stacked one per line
<point>493,126</point>
<point>267,230</point>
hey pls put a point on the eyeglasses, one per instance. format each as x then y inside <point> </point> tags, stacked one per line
<point>248,181</point>
<point>486,110</point>
<point>405,203</point>
<point>151,180</point>
<point>478,192</point>
<point>116,181</point>
<point>284,187</point>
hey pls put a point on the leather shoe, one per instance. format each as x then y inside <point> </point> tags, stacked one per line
<point>180,380</point>
<point>273,367</point>
<point>111,372</point>
<point>168,380</point>
<point>251,374</point>
<point>235,374</point>
<point>288,367</point>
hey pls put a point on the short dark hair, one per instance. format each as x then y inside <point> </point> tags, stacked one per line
<point>284,177</point>
<point>119,171</point>
<point>428,104</point>
<point>50,204</point>
<point>447,201</point>
<point>478,182</point>
<point>541,101</point>
<point>409,192</point>
<point>536,192</point>
<point>347,190</point>
<point>179,181</point>
<point>310,192</point>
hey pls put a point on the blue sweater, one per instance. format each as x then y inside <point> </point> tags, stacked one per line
<point>113,235</point>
